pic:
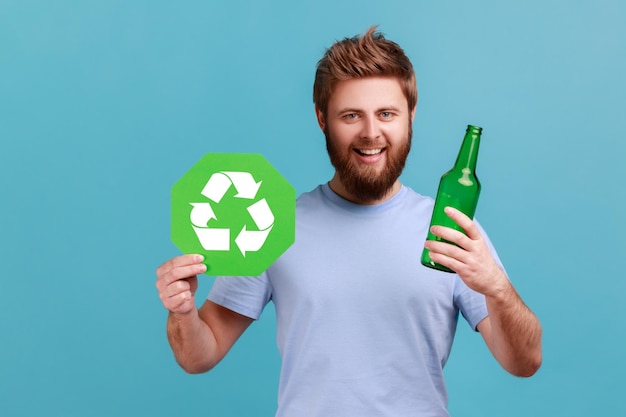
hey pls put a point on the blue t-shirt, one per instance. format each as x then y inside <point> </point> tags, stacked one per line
<point>363,328</point>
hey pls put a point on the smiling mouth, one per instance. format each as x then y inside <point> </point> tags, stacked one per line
<point>369,152</point>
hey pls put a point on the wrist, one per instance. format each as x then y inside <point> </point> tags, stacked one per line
<point>500,289</point>
<point>183,316</point>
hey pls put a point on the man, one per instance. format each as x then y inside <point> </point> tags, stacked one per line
<point>363,328</point>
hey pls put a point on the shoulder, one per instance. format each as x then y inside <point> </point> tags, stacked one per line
<point>315,201</point>
<point>414,196</point>
<point>415,202</point>
<point>310,196</point>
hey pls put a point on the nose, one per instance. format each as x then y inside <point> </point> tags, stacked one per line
<point>370,128</point>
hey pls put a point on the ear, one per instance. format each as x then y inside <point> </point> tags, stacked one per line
<point>320,118</point>
<point>413,113</point>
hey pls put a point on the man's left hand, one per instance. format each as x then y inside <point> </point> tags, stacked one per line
<point>471,259</point>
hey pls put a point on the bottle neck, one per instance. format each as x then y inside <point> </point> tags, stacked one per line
<point>468,154</point>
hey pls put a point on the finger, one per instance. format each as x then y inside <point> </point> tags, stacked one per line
<point>447,261</point>
<point>446,249</point>
<point>451,235</point>
<point>464,221</point>
<point>177,287</point>
<point>180,303</point>
<point>180,273</point>
<point>178,261</point>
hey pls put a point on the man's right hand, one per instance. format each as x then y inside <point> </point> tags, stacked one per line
<point>177,282</point>
<point>199,337</point>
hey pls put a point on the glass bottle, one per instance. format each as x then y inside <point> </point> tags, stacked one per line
<point>458,188</point>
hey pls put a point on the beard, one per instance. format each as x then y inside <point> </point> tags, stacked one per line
<point>369,183</point>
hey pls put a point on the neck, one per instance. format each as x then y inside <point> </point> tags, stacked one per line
<point>337,186</point>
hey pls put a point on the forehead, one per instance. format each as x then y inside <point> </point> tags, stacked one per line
<point>367,93</point>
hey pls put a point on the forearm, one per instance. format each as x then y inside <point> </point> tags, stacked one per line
<point>511,330</point>
<point>192,342</point>
<point>515,332</point>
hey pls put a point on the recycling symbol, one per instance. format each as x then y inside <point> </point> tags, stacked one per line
<point>260,212</point>
<point>236,210</point>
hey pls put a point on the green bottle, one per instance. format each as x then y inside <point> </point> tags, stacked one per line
<point>458,188</point>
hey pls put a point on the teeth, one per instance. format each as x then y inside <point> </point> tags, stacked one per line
<point>370,151</point>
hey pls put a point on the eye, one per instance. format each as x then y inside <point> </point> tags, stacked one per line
<point>386,115</point>
<point>350,117</point>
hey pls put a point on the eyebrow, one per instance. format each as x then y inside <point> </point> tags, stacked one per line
<point>356,110</point>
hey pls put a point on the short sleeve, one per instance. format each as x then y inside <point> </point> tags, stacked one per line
<point>246,295</point>
<point>471,304</point>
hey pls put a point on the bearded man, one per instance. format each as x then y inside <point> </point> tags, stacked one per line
<point>363,328</point>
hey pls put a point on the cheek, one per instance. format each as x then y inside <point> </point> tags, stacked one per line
<point>398,133</point>
<point>341,136</point>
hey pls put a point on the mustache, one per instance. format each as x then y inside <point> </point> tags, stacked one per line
<point>369,143</point>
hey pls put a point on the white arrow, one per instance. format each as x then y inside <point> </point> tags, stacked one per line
<point>201,213</point>
<point>250,240</point>
<point>213,239</point>
<point>244,183</point>
<point>261,214</point>
<point>216,187</point>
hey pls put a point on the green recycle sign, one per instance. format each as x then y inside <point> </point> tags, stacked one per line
<point>236,210</point>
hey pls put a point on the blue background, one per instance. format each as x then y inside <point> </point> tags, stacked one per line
<point>105,104</point>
